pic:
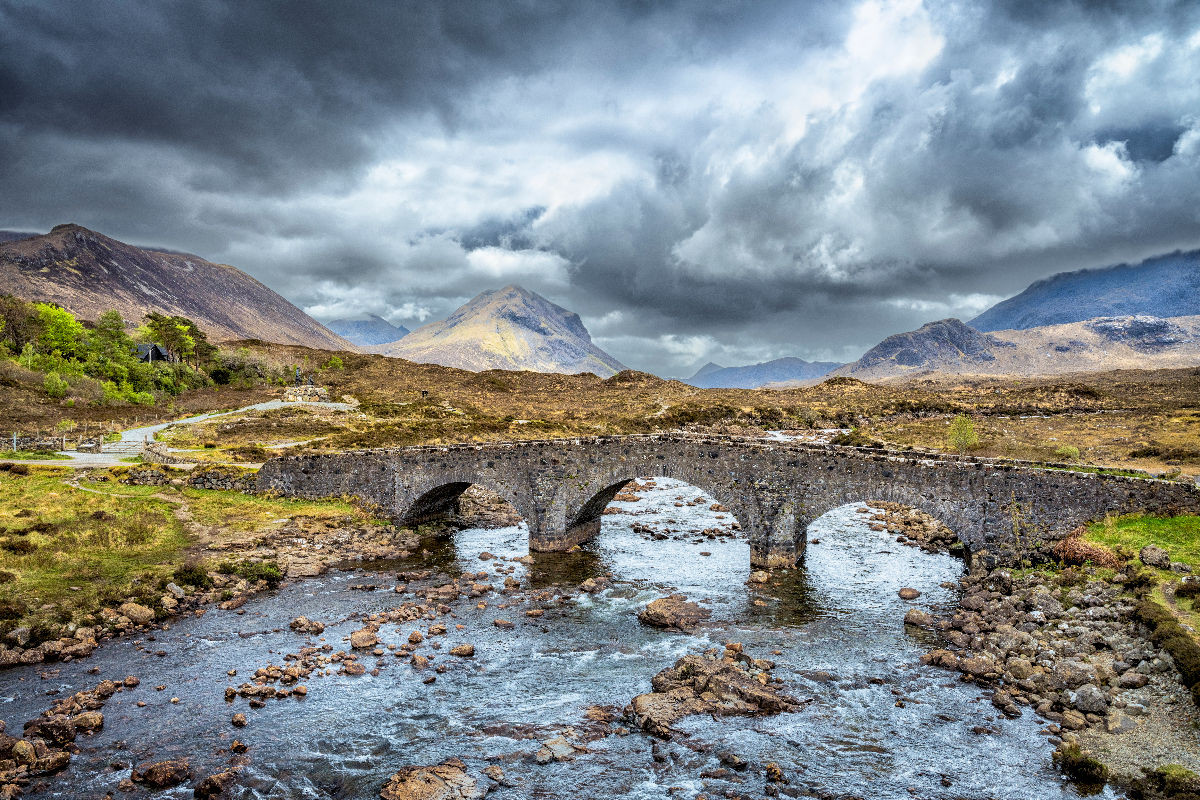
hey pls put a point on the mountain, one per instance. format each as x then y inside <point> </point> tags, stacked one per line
<point>756,375</point>
<point>1164,286</point>
<point>88,273</point>
<point>509,328</point>
<point>367,330</point>
<point>13,236</point>
<point>704,370</point>
<point>1104,343</point>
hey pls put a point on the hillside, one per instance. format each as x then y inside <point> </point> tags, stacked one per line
<point>509,328</point>
<point>1104,343</point>
<point>1164,286</point>
<point>88,273</point>
<point>752,376</point>
<point>368,330</point>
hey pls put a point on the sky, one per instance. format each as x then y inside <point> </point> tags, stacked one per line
<point>727,181</point>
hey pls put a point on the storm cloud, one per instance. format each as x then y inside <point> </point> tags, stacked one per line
<point>726,181</point>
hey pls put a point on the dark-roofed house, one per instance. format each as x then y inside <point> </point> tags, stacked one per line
<point>152,352</point>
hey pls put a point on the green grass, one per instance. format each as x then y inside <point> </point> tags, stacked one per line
<point>1179,536</point>
<point>31,455</point>
<point>68,552</point>
<point>241,512</point>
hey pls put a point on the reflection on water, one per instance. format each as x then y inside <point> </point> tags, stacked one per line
<point>880,725</point>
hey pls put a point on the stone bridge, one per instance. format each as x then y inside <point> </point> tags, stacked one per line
<point>1000,510</point>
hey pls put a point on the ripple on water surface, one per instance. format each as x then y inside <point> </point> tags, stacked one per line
<point>839,615</point>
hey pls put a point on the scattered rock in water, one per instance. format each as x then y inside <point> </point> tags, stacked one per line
<point>673,613</point>
<point>759,576</point>
<point>308,626</point>
<point>915,616</point>
<point>733,684</point>
<point>909,594</point>
<point>463,650</point>
<point>162,774</point>
<point>557,749</point>
<point>363,639</point>
<point>214,785</point>
<point>446,781</point>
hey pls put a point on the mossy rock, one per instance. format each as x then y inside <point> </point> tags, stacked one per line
<point>1170,780</point>
<point>1079,766</point>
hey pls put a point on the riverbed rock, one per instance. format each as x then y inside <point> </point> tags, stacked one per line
<point>463,650</point>
<point>88,721</point>
<point>557,749</point>
<point>704,684</point>
<point>673,613</point>
<point>162,774</point>
<point>306,625</point>
<point>214,785</point>
<point>363,639</point>
<point>1154,556</point>
<point>1090,699</point>
<point>919,618</point>
<point>446,781</point>
<point>137,613</point>
<point>908,593</point>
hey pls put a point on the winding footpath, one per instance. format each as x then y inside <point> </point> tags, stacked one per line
<point>133,440</point>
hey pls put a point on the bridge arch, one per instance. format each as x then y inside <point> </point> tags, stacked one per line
<point>433,497</point>
<point>577,510</point>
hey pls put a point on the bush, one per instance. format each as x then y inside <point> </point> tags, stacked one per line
<point>1191,589</point>
<point>334,362</point>
<point>253,571</point>
<point>193,575</point>
<point>1067,453</point>
<point>962,436</point>
<point>1077,551</point>
<point>55,385</point>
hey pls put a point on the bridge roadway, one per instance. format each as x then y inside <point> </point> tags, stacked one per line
<point>1001,510</point>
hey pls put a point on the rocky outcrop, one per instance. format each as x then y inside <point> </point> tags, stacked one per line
<point>731,684</point>
<point>446,781</point>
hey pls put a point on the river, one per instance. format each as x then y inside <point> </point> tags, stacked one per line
<point>878,725</point>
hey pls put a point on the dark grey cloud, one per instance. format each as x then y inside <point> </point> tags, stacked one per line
<point>735,181</point>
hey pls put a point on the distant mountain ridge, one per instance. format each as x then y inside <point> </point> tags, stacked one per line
<point>368,330</point>
<point>752,376</point>
<point>1163,286</point>
<point>510,328</point>
<point>1104,343</point>
<point>89,273</point>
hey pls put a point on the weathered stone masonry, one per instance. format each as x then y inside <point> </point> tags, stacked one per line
<point>774,489</point>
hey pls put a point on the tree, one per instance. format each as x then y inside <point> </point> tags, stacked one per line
<point>19,322</point>
<point>60,331</point>
<point>109,339</point>
<point>962,435</point>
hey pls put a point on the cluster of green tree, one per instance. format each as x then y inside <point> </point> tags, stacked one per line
<point>100,363</point>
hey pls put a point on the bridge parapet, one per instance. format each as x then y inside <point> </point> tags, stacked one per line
<point>1002,510</point>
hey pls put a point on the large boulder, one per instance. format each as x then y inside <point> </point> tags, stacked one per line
<point>137,613</point>
<point>446,781</point>
<point>162,774</point>
<point>673,613</point>
<point>1154,556</point>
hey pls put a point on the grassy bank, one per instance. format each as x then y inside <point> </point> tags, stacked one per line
<point>66,552</point>
<point>69,549</point>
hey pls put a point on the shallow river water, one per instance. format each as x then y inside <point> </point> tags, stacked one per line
<point>840,615</point>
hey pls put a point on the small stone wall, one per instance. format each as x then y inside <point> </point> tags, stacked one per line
<point>157,453</point>
<point>33,443</point>
<point>306,394</point>
<point>219,478</point>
